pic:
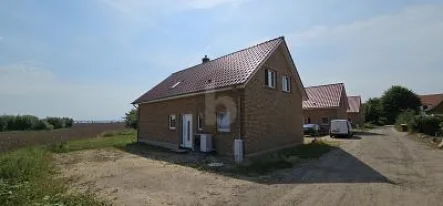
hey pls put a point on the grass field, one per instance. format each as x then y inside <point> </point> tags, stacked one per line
<point>27,175</point>
<point>18,139</point>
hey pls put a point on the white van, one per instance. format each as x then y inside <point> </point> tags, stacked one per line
<point>340,127</point>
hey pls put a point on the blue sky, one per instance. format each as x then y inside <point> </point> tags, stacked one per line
<point>88,59</point>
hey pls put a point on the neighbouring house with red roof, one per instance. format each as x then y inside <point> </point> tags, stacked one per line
<point>325,102</point>
<point>355,111</point>
<point>432,103</point>
<point>254,94</point>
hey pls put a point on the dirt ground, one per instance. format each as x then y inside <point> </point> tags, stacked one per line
<point>381,167</point>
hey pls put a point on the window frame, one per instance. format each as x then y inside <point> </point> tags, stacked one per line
<point>218,122</point>
<point>200,120</point>
<point>172,118</point>
<point>271,77</point>
<point>287,87</point>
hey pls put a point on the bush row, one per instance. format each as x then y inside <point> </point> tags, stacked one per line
<point>29,122</point>
<point>426,124</point>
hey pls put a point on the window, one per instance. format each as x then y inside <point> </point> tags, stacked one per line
<point>270,78</point>
<point>175,85</point>
<point>172,121</point>
<point>325,120</point>
<point>223,122</point>
<point>285,83</point>
<point>200,122</point>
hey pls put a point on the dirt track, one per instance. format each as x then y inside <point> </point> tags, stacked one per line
<point>383,167</point>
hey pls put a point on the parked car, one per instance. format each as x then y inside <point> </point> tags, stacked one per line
<point>340,128</point>
<point>311,129</point>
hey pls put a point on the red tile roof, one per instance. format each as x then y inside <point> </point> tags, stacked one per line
<point>324,96</point>
<point>431,100</point>
<point>354,104</point>
<point>229,70</point>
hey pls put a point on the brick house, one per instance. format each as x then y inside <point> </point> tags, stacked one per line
<point>325,102</point>
<point>355,111</point>
<point>254,94</point>
<point>432,103</point>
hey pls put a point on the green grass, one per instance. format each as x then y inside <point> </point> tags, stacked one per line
<point>106,139</point>
<point>366,126</point>
<point>27,176</point>
<point>285,158</point>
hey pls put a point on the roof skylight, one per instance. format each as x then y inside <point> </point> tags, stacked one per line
<point>176,84</point>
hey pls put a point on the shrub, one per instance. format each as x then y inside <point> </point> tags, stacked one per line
<point>131,119</point>
<point>9,122</point>
<point>382,121</point>
<point>43,125</point>
<point>68,122</point>
<point>406,117</point>
<point>3,124</point>
<point>57,122</point>
<point>28,122</point>
<point>25,122</point>
<point>373,110</point>
<point>426,124</point>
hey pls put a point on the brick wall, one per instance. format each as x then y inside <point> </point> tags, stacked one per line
<point>356,118</point>
<point>272,118</point>
<point>316,115</point>
<point>153,123</point>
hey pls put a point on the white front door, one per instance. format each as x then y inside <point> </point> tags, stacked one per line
<point>187,130</point>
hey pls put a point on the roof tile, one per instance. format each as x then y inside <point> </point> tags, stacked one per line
<point>354,104</point>
<point>431,100</point>
<point>323,96</point>
<point>228,70</point>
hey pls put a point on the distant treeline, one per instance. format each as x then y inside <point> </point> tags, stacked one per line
<point>29,122</point>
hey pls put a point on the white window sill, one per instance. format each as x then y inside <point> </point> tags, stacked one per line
<point>223,130</point>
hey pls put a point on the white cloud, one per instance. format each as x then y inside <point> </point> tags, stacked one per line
<point>205,4</point>
<point>27,88</point>
<point>147,7</point>
<point>371,55</point>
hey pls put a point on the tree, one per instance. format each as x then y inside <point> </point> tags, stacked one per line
<point>398,99</point>
<point>131,119</point>
<point>68,122</point>
<point>57,122</point>
<point>43,125</point>
<point>373,110</point>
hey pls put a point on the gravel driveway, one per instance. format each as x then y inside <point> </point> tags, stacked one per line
<point>381,167</point>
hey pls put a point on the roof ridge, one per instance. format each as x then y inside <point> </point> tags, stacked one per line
<point>430,94</point>
<point>322,85</point>
<point>255,45</point>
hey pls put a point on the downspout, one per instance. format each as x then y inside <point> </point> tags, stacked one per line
<point>239,111</point>
<point>138,120</point>
<point>239,157</point>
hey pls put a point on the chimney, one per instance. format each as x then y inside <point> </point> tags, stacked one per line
<point>205,59</point>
